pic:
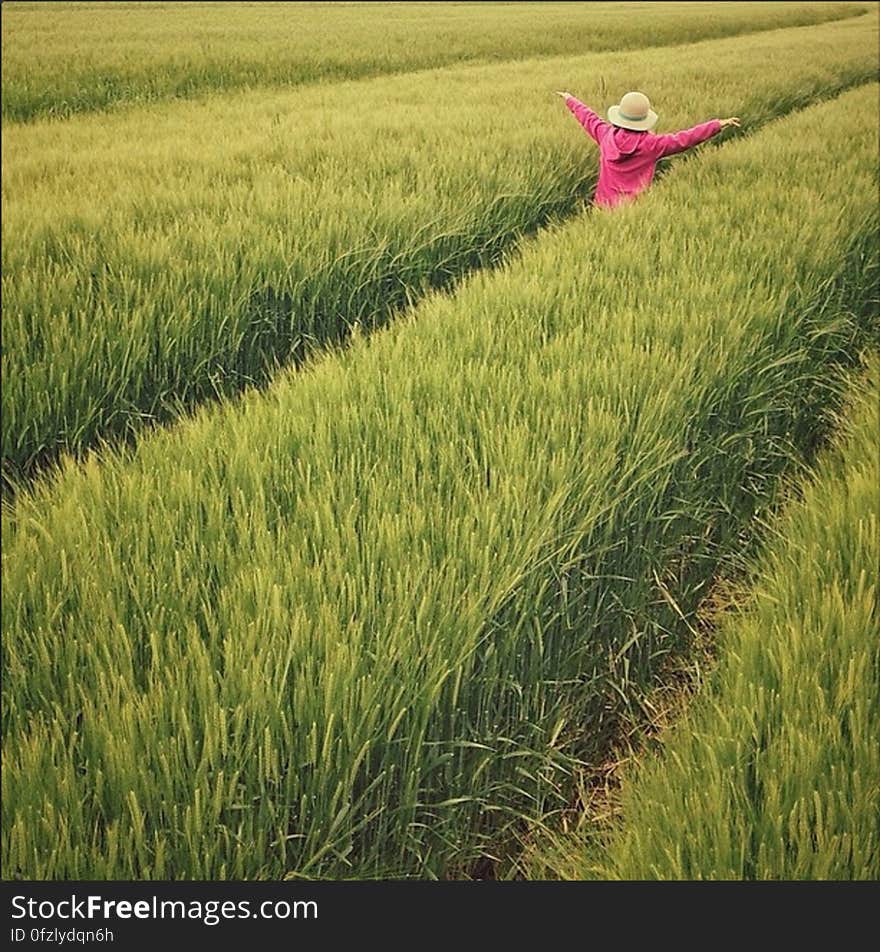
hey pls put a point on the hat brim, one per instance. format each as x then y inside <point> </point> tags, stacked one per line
<point>636,125</point>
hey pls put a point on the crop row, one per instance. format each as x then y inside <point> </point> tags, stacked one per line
<point>358,623</point>
<point>60,59</point>
<point>159,258</point>
<point>772,773</point>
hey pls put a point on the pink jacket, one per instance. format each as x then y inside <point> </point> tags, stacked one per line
<point>628,159</point>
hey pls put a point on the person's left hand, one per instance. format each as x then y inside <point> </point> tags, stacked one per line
<point>564,95</point>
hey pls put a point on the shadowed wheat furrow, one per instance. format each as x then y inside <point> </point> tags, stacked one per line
<point>771,772</point>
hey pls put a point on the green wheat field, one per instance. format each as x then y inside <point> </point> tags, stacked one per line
<point>374,508</point>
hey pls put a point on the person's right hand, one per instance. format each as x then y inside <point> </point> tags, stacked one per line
<point>732,121</point>
<point>564,95</point>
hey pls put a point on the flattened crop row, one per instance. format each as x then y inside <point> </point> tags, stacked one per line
<point>772,774</point>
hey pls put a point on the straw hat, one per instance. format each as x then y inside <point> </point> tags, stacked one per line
<point>634,112</point>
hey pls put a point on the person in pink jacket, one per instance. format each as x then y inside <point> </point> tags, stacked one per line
<point>629,151</point>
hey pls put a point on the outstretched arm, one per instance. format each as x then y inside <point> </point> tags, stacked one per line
<point>686,139</point>
<point>584,115</point>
